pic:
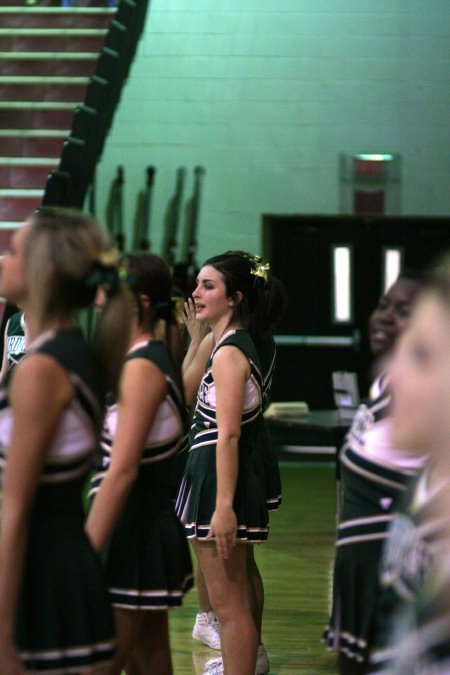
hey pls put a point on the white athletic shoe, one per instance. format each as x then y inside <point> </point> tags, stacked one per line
<point>214,666</point>
<point>262,661</point>
<point>206,629</point>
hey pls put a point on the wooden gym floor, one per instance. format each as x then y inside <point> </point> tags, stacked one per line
<point>295,565</point>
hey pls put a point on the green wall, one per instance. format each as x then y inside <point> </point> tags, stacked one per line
<point>265,94</point>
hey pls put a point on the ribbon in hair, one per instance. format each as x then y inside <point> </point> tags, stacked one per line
<point>257,269</point>
<point>260,272</point>
<point>105,272</point>
<point>164,309</point>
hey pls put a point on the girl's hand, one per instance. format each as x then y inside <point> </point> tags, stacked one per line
<point>223,527</point>
<point>10,663</point>
<point>196,329</point>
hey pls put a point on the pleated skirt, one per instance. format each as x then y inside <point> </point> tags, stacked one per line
<point>65,621</point>
<point>148,564</point>
<point>196,498</point>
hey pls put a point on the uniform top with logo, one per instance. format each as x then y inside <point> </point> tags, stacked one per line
<point>147,560</point>
<point>64,619</point>
<point>15,338</point>
<point>70,454</point>
<point>415,554</point>
<point>197,492</point>
<point>374,475</point>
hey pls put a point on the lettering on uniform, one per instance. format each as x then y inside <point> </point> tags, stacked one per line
<point>16,344</point>
<point>406,557</point>
<point>362,421</point>
<point>203,392</point>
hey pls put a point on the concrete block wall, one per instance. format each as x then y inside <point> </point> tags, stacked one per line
<point>265,94</point>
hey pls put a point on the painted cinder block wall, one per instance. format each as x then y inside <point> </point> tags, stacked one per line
<point>265,94</point>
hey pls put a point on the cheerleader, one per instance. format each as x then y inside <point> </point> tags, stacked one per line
<point>375,474</point>
<point>413,619</point>
<point>206,627</point>
<point>132,518</point>
<point>55,614</point>
<point>222,499</point>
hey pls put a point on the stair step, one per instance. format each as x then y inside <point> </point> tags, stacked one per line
<point>43,81</point>
<point>11,65</point>
<point>71,40</point>
<point>16,205</point>
<point>48,54</point>
<point>6,231</point>
<point>29,161</point>
<point>24,177</point>
<point>36,92</point>
<point>44,17</point>
<point>36,105</point>
<point>32,118</point>
<point>53,32</point>
<point>29,146</point>
<point>57,3</point>
<point>33,133</point>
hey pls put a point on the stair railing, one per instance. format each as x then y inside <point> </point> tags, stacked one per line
<point>82,149</point>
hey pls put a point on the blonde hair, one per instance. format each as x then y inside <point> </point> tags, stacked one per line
<point>64,251</point>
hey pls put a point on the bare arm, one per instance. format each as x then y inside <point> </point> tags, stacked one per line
<point>36,418</point>
<point>192,375</point>
<point>198,353</point>
<point>142,389</point>
<point>230,370</point>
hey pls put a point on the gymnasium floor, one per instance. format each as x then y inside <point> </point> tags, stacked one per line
<point>295,565</point>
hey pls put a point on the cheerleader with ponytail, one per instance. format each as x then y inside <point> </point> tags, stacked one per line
<point>55,614</point>
<point>132,519</point>
<point>224,495</point>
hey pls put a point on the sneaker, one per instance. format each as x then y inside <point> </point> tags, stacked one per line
<point>262,661</point>
<point>214,666</point>
<point>206,629</point>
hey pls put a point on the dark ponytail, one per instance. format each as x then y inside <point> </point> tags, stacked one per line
<point>148,274</point>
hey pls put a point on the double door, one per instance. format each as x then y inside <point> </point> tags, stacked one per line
<point>334,269</point>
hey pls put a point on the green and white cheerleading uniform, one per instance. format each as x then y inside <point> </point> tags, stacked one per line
<point>64,618</point>
<point>422,630</point>
<point>148,564</point>
<point>15,338</point>
<point>413,568</point>
<point>197,492</point>
<point>375,475</point>
<point>423,634</point>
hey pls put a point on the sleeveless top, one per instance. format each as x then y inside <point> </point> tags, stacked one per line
<point>375,476</point>
<point>168,429</point>
<point>196,497</point>
<point>204,427</point>
<point>64,619</point>
<point>415,554</point>
<point>70,453</point>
